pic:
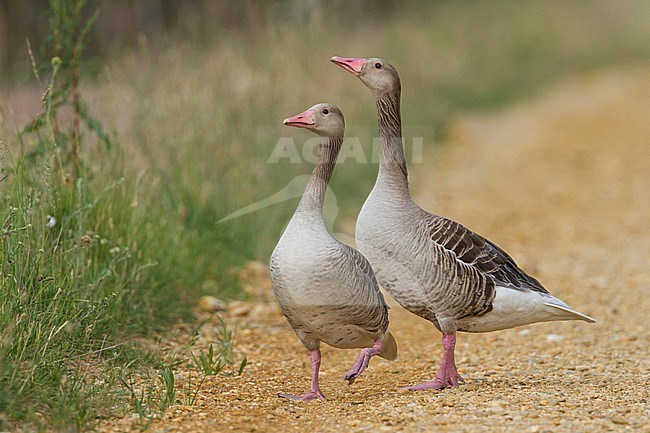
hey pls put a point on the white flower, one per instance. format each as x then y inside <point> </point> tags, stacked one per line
<point>51,221</point>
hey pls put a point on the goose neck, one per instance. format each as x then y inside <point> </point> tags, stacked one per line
<point>392,163</point>
<point>314,195</point>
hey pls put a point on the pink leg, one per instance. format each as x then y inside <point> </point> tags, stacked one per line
<point>314,389</point>
<point>447,374</point>
<point>362,361</point>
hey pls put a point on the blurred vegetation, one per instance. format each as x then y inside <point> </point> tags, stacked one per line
<point>192,95</point>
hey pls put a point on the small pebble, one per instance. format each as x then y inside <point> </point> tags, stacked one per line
<point>239,308</point>
<point>620,420</point>
<point>210,304</point>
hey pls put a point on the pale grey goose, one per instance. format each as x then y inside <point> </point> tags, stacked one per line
<point>432,266</point>
<point>326,289</point>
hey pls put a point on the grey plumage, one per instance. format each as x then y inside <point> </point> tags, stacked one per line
<point>327,290</point>
<point>432,266</point>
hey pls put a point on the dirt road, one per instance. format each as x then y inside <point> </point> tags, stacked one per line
<point>563,184</point>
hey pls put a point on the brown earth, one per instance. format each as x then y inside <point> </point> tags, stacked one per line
<point>563,184</point>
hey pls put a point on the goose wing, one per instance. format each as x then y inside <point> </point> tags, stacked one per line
<point>370,306</point>
<point>478,252</point>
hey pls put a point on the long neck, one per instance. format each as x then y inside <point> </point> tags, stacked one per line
<point>314,195</point>
<point>392,164</point>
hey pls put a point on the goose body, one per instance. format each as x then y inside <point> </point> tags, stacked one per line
<point>432,266</point>
<point>441,271</point>
<point>326,289</point>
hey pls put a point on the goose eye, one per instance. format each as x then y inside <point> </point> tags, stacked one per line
<point>377,65</point>
<point>326,111</point>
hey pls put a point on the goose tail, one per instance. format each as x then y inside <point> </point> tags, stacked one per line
<point>566,313</point>
<point>389,349</point>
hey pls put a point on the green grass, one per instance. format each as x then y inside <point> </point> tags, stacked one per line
<point>136,240</point>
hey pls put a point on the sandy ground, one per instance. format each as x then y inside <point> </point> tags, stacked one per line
<point>563,184</point>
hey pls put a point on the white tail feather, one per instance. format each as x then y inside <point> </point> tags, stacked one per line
<point>520,307</point>
<point>569,314</point>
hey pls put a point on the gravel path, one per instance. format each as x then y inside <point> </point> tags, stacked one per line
<point>563,184</point>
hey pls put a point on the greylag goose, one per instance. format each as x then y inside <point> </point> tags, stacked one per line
<point>432,266</point>
<point>326,289</point>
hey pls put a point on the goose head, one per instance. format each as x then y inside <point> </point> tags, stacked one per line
<point>377,74</point>
<point>323,119</point>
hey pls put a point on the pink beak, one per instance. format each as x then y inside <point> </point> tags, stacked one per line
<point>351,65</point>
<point>302,120</point>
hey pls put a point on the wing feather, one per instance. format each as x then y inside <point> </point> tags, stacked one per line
<point>474,250</point>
